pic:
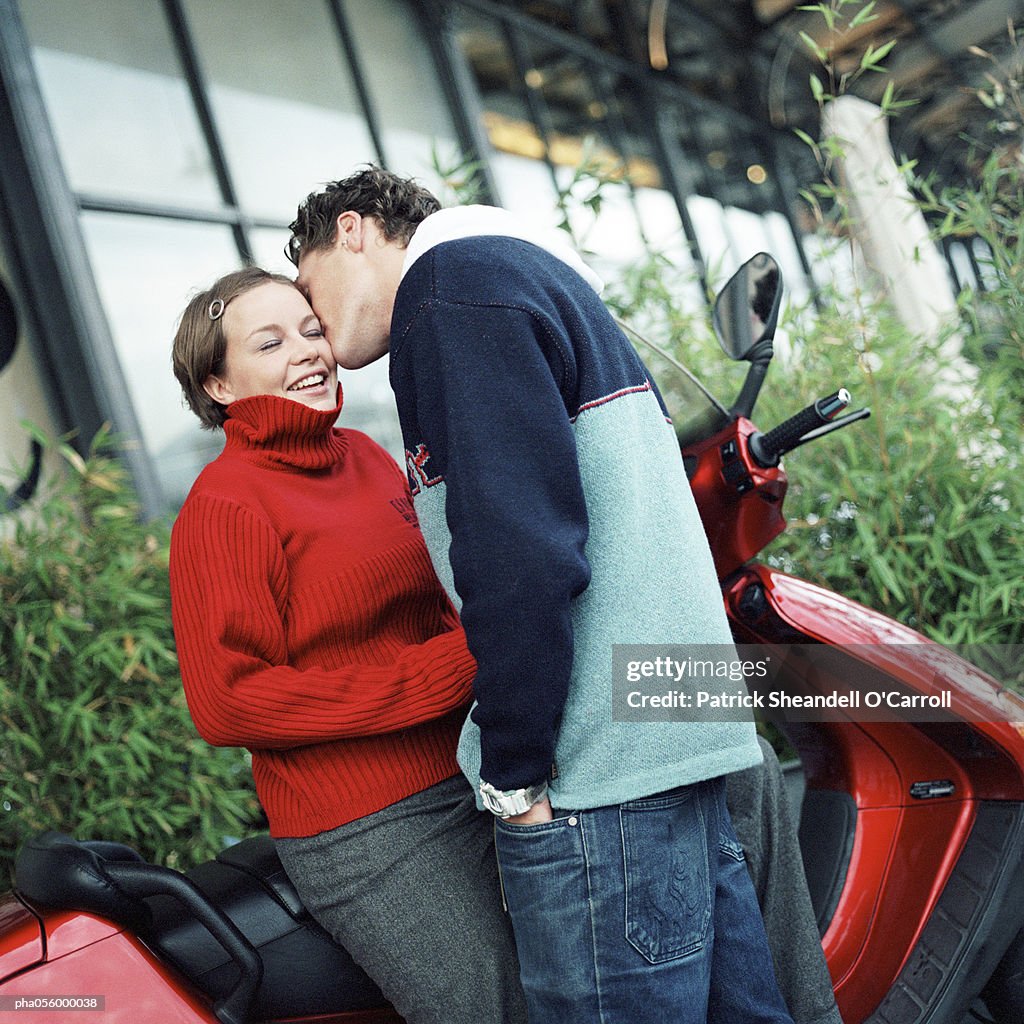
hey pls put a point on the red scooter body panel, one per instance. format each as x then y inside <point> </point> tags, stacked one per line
<point>822,616</point>
<point>21,939</point>
<point>133,984</point>
<point>844,941</point>
<point>904,848</point>
<point>88,956</point>
<point>740,503</point>
<point>69,931</point>
<point>902,859</point>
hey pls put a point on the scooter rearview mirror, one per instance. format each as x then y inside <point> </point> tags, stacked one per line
<point>745,314</point>
<point>747,308</point>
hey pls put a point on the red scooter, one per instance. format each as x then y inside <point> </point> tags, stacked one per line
<point>912,822</point>
<point>912,831</point>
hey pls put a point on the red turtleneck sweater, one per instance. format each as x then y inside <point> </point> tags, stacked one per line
<point>309,623</point>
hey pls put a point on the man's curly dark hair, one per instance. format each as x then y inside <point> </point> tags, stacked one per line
<point>398,204</point>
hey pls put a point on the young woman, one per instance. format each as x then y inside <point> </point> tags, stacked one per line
<point>312,630</point>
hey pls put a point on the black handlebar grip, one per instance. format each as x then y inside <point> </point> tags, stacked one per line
<point>768,448</point>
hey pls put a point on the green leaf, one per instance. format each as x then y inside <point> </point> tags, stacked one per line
<point>805,138</point>
<point>813,46</point>
<point>886,102</point>
<point>872,58</point>
<point>864,15</point>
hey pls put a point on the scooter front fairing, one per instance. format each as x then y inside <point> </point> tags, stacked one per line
<point>912,831</point>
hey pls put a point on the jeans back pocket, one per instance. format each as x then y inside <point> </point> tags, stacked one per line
<point>667,876</point>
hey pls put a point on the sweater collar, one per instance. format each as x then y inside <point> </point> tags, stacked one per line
<point>276,431</point>
<point>471,221</point>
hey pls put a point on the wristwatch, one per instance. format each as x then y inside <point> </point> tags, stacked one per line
<point>507,802</point>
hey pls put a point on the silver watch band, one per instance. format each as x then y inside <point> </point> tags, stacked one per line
<point>508,802</point>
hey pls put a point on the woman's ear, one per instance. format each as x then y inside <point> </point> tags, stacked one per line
<point>218,390</point>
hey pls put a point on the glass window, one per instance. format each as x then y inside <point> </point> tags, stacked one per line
<point>832,262</point>
<point>523,180</point>
<point>665,236</point>
<point>748,234</point>
<point>403,83</point>
<point>268,249</point>
<point>118,103</point>
<point>146,271</point>
<point>23,389</point>
<point>284,102</point>
<point>783,246</point>
<point>709,223</point>
<point>582,119</point>
<point>613,235</point>
<point>662,226</point>
<point>289,119</point>
<point>526,189</point>
<point>960,265</point>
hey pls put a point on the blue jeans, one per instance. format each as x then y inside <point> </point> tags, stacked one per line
<point>641,912</point>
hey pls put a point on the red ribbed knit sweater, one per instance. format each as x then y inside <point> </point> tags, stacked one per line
<point>309,623</point>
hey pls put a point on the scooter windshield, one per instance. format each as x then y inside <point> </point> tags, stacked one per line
<point>695,412</point>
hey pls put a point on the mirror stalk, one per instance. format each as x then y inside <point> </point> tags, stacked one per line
<point>760,359</point>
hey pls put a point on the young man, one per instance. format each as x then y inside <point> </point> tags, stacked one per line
<point>549,487</point>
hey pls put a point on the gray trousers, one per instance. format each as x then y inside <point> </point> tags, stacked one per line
<point>412,893</point>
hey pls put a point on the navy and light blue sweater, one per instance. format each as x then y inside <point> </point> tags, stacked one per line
<point>554,502</point>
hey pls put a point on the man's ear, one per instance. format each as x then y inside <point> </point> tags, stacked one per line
<point>218,390</point>
<point>350,231</point>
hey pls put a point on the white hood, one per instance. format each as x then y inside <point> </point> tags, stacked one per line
<point>470,221</point>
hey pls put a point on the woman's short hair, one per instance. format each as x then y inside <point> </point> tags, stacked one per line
<point>200,344</point>
<point>398,204</point>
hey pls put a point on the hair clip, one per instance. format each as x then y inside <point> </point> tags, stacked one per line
<point>216,309</point>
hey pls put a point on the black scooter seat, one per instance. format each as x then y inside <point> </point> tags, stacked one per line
<point>304,971</point>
